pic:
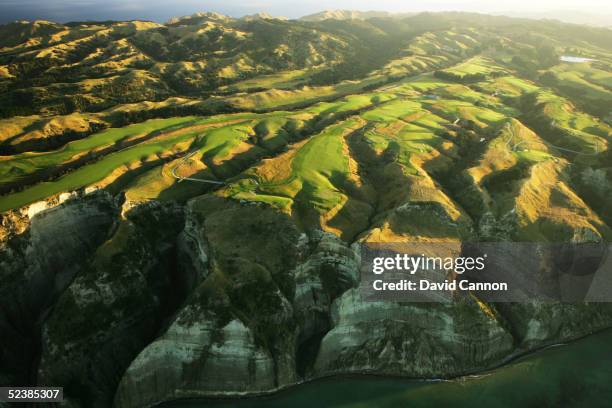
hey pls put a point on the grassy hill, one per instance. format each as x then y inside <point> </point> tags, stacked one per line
<point>403,103</point>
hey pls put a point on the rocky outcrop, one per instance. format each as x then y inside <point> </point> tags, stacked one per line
<point>42,248</point>
<point>115,306</point>
<point>197,358</point>
<point>329,270</point>
<point>537,324</point>
<point>41,243</point>
<point>276,307</point>
<point>157,301</point>
<point>415,340</point>
<point>251,324</point>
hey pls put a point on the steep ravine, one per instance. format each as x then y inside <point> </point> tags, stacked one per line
<point>134,304</point>
<point>41,251</point>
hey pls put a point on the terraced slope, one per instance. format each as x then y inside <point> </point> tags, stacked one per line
<point>190,192</point>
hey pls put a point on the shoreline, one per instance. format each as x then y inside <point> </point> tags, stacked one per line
<point>273,393</point>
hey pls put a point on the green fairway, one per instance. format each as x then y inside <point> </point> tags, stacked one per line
<point>473,66</point>
<point>27,163</point>
<point>92,173</point>
<point>317,173</point>
<point>281,80</point>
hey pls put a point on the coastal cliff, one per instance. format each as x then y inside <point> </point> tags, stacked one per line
<point>134,304</point>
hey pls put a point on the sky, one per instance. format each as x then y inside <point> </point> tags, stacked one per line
<point>162,10</point>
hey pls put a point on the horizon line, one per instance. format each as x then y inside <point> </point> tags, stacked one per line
<point>508,14</point>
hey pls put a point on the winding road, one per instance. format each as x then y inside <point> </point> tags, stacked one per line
<point>179,178</point>
<point>515,147</point>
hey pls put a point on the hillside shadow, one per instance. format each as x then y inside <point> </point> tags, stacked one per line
<point>43,259</point>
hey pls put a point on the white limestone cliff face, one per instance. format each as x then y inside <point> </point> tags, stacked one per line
<point>42,249</point>
<point>158,301</point>
<point>416,340</point>
<point>116,304</point>
<point>43,243</point>
<point>197,359</point>
<point>537,324</point>
<point>321,326</point>
<point>209,351</point>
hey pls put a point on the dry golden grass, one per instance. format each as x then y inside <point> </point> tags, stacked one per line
<point>26,128</point>
<point>499,154</point>
<point>545,198</point>
<point>279,168</point>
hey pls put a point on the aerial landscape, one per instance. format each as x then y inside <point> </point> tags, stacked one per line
<point>183,203</point>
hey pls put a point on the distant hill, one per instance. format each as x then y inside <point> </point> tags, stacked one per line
<point>350,15</point>
<point>568,16</point>
<point>262,16</point>
<point>116,62</point>
<point>121,62</point>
